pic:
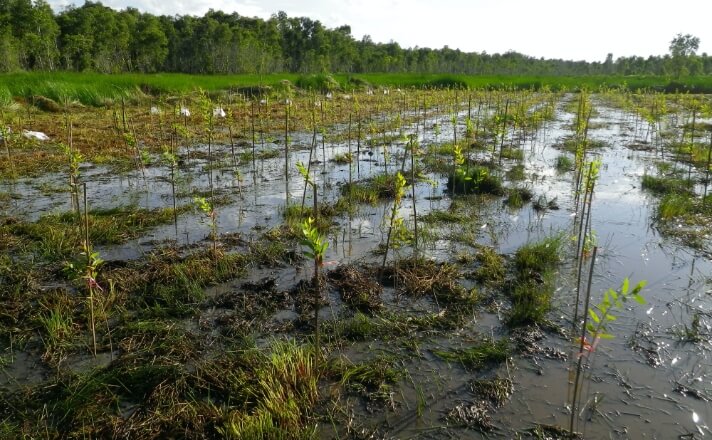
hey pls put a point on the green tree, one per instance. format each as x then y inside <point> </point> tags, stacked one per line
<point>149,46</point>
<point>683,49</point>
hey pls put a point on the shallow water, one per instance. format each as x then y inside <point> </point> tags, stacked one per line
<point>637,373</point>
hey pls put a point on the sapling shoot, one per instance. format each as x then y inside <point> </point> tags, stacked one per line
<point>172,161</point>
<point>593,331</point>
<point>397,232</point>
<point>315,248</point>
<point>208,209</point>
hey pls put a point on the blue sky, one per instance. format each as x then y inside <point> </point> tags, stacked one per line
<point>567,29</point>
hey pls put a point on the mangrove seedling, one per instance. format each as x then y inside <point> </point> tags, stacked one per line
<point>397,232</point>
<point>315,248</point>
<point>172,161</point>
<point>209,210</point>
<point>596,329</point>
<point>74,159</point>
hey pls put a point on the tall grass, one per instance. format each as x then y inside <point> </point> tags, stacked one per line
<point>97,89</point>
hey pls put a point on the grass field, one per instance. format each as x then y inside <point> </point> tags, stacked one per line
<point>99,89</point>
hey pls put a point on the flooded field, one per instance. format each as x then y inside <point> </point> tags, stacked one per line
<point>159,271</point>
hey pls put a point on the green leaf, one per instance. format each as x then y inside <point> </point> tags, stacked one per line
<point>638,287</point>
<point>610,317</point>
<point>594,316</point>
<point>625,286</point>
<point>639,299</point>
<point>605,336</point>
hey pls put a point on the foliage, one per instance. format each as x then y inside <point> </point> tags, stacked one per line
<point>600,313</point>
<point>315,245</point>
<point>94,37</point>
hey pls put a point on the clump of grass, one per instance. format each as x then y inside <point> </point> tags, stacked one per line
<point>533,288</point>
<point>666,185</point>
<point>572,144</point>
<point>368,377</point>
<point>171,284</point>
<point>472,415</point>
<point>359,328</point>
<point>477,180</point>
<point>516,173</point>
<point>58,328</point>
<point>246,156</point>
<point>437,216</point>
<point>675,205</point>
<point>539,257</point>
<point>343,158</point>
<point>531,299</point>
<point>491,270</point>
<point>496,390</point>
<point>419,276</point>
<point>276,247</point>
<point>564,163</point>
<point>512,154</point>
<point>285,394</point>
<point>479,355</point>
<point>380,187</point>
<point>319,82</point>
<point>518,196</point>
<point>46,104</point>
<point>358,289</point>
<point>56,236</point>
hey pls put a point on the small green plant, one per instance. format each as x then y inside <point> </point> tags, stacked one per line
<point>477,180</point>
<point>459,173</point>
<point>596,329</point>
<point>172,161</point>
<point>397,232</point>
<point>57,325</point>
<point>74,159</point>
<point>589,242</point>
<point>315,247</point>
<point>86,268</point>
<point>207,208</point>
<point>564,163</point>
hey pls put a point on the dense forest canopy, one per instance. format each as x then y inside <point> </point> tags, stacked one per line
<point>94,37</point>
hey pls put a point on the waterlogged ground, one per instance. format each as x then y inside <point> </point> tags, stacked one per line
<point>653,380</point>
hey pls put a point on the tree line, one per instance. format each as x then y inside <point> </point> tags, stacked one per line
<point>94,37</point>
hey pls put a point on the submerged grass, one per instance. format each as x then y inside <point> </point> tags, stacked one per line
<point>479,355</point>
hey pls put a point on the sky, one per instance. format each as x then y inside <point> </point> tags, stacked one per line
<point>566,29</point>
